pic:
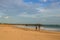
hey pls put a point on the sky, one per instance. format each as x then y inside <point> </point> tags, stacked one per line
<point>30,11</point>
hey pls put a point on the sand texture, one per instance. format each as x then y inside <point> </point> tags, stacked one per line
<point>8,32</point>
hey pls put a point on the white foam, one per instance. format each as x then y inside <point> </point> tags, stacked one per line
<point>44,28</point>
<point>52,29</point>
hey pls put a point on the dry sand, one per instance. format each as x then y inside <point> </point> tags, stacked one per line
<point>8,32</point>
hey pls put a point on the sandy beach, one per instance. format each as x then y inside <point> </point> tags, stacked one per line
<point>9,32</point>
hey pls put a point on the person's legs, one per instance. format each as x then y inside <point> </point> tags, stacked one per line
<point>36,27</point>
<point>39,27</point>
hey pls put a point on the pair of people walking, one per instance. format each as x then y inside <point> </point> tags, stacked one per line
<point>38,27</point>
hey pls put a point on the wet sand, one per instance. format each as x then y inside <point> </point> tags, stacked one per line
<point>9,32</point>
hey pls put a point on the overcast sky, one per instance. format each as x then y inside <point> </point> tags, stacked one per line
<point>30,11</point>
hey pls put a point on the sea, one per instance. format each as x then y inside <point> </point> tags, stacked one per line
<point>45,27</point>
<point>51,27</point>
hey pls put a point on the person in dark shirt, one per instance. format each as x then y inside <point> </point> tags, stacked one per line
<point>36,27</point>
<point>39,27</point>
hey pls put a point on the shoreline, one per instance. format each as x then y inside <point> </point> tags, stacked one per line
<point>33,28</point>
<point>30,28</point>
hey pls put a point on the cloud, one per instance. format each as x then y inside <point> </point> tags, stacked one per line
<point>0,16</point>
<point>54,5</point>
<point>25,14</point>
<point>45,0</point>
<point>42,10</point>
<point>31,9</point>
<point>19,6</point>
<point>58,15</point>
<point>6,17</point>
<point>42,13</point>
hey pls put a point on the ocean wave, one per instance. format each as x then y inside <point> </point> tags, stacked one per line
<point>51,29</point>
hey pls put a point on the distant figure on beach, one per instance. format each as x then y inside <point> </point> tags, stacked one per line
<point>39,27</point>
<point>26,25</point>
<point>36,27</point>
